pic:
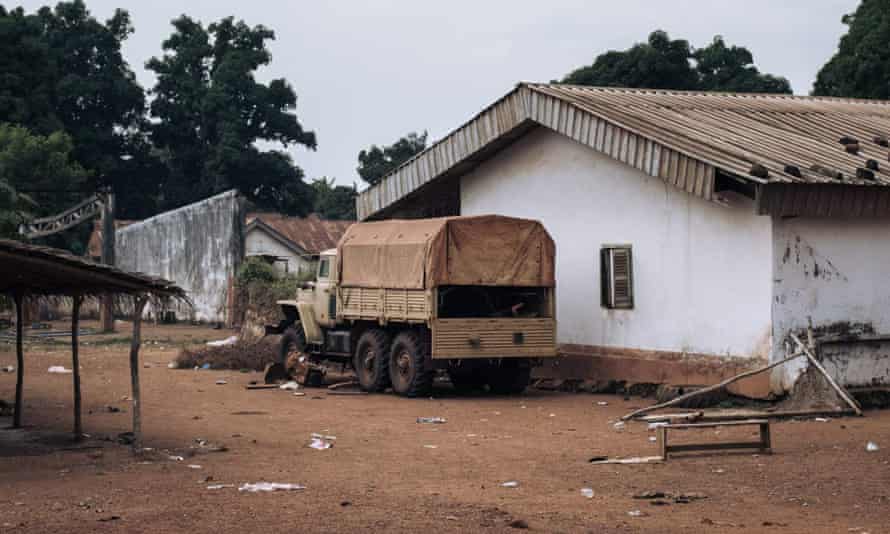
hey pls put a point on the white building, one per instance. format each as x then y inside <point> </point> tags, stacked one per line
<point>292,244</point>
<point>693,231</point>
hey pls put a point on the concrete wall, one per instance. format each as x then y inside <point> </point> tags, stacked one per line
<point>259,243</point>
<point>835,273</point>
<point>702,271</point>
<point>198,246</point>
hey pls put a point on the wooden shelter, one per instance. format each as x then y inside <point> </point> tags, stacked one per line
<point>29,271</point>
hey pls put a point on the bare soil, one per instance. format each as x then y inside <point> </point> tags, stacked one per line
<point>388,473</point>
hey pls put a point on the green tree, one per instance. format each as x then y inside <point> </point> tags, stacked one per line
<point>32,162</point>
<point>861,66</point>
<point>211,112</point>
<point>731,68</point>
<point>63,70</point>
<point>334,201</point>
<point>665,63</point>
<point>376,162</point>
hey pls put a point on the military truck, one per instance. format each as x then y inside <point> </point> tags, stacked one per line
<point>398,300</point>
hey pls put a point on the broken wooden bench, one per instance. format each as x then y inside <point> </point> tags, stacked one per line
<point>763,444</point>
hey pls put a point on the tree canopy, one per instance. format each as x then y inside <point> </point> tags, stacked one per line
<point>32,162</point>
<point>665,63</point>
<point>63,71</point>
<point>333,201</point>
<point>861,66</point>
<point>211,112</point>
<point>376,162</point>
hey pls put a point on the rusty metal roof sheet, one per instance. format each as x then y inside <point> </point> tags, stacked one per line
<point>684,138</point>
<point>310,234</point>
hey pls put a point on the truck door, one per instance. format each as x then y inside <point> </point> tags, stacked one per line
<point>325,297</point>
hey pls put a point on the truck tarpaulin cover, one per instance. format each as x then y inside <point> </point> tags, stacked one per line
<point>487,250</point>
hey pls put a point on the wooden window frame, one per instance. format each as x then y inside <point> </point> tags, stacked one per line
<point>608,297</point>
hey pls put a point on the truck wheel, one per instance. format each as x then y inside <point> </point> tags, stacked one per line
<point>371,360</point>
<point>408,365</point>
<point>293,340</point>
<point>509,378</point>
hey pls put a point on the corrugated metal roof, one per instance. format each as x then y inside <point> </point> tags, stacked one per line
<point>310,234</point>
<point>681,137</point>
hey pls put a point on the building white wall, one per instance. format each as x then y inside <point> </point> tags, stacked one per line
<point>259,242</point>
<point>835,273</point>
<point>701,271</point>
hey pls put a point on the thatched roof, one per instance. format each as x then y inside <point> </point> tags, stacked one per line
<point>44,271</point>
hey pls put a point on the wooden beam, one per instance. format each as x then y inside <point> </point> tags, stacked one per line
<point>75,364</point>
<point>135,342</point>
<point>708,389</point>
<point>840,391</point>
<point>106,309</point>
<point>20,359</point>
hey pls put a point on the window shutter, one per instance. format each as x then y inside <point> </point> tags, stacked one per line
<point>622,286</point>
<point>616,271</point>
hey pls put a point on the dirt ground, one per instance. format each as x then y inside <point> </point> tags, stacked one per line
<point>388,473</point>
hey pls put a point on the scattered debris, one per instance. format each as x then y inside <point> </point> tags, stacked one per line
<point>8,369</point>
<point>587,492</point>
<point>112,409</point>
<point>204,446</point>
<point>347,392</point>
<point>269,486</point>
<point>176,458</point>
<point>221,382</point>
<point>194,466</point>
<point>635,460</point>
<point>126,438</point>
<point>510,484</point>
<point>345,503</point>
<point>432,420</point>
<point>321,442</point>
<point>602,403</point>
<point>651,495</point>
<point>518,523</point>
<point>619,425</point>
<point>290,386</point>
<point>172,365</point>
<point>871,446</point>
<point>430,446</point>
<point>231,340</point>
<point>220,486</point>
<point>58,369</point>
<point>822,419</point>
<point>299,394</point>
<point>637,513</point>
<point>339,385</point>
<point>109,518</point>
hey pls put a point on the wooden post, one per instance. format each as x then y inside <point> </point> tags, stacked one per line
<point>75,364</point>
<point>135,341</point>
<point>106,303</point>
<point>20,359</point>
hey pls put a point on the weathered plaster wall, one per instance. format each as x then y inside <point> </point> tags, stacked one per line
<point>835,273</point>
<point>701,270</point>
<point>198,246</point>
<point>259,242</point>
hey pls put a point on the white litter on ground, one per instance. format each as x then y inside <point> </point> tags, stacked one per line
<point>320,442</point>
<point>231,340</point>
<point>510,484</point>
<point>221,382</point>
<point>587,492</point>
<point>290,386</point>
<point>432,420</point>
<point>176,458</point>
<point>871,446</point>
<point>430,446</point>
<point>194,466</point>
<point>58,369</point>
<point>220,486</point>
<point>269,486</point>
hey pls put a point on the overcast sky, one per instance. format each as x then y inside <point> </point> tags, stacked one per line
<point>370,71</point>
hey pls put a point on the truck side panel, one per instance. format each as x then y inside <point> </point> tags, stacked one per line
<point>384,305</point>
<point>494,338</point>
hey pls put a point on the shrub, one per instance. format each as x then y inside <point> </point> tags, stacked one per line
<point>255,269</point>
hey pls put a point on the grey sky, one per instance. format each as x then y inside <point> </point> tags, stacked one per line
<point>370,71</point>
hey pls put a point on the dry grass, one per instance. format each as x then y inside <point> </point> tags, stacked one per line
<point>253,355</point>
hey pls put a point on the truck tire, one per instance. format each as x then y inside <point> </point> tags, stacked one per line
<point>408,366</point>
<point>293,340</point>
<point>510,378</point>
<point>371,360</point>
